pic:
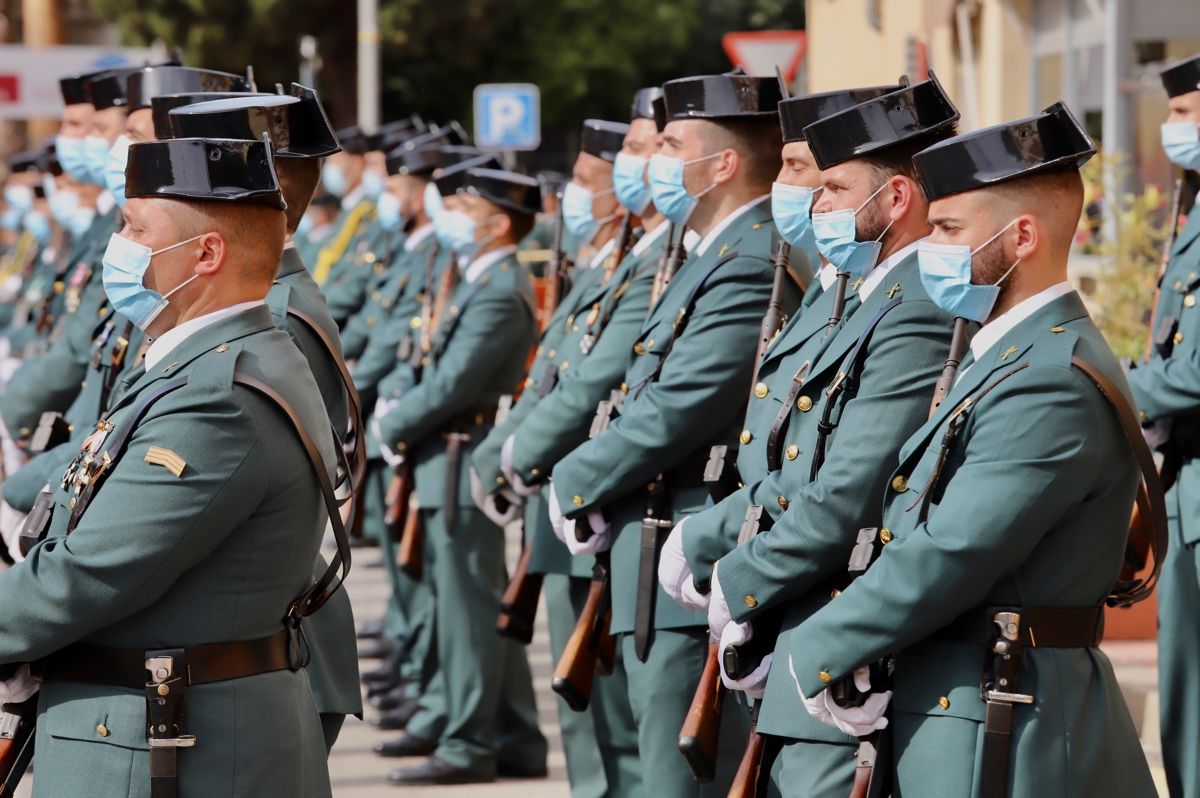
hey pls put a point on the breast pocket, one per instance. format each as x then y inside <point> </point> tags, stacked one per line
<point>94,713</point>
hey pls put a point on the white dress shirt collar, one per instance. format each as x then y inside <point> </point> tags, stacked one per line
<point>477,267</point>
<point>353,198</point>
<point>418,235</point>
<point>708,239</point>
<point>879,272</point>
<point>990,333</point>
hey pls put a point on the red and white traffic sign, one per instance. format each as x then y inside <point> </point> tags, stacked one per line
<point>759,52</point>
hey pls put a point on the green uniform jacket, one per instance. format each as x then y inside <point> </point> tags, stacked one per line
<point>1031,509</point>
<point>673,415</point>
<point>562,420</point>
<point>478,355</point>
<point>350,284</point>
<point>160,561</point>
<point>383,299</point>
<point>1168,387</point>
<point>793,567</point>
<point>711,534</point>
<point>355,223</point>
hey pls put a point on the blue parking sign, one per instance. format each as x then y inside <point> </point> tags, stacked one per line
<point>508,116</point>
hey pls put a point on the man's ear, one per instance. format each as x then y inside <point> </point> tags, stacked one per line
<point>1028,235</point>
<point>902,191</point>
<point>727,165</point>
<point>213,252</point>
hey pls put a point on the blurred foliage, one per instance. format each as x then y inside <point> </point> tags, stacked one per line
<point>1125,288</point>
<point>587,56</point>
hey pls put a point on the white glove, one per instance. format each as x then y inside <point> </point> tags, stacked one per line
<point>11,521</point>
<point>718,607</point>
<point>675,575</point>
<point>488,503</point>
<point>521,489</point>
<point>506,450</point>
<point>754,685</point>
<point>855,721</point>
<point>389,457</point>
<point>18,688</point>
<point>478,494</point>
<point>556,516</point>
<point>598,542</point>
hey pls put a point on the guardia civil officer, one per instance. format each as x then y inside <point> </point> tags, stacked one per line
<point>864,386</point>
<point>1005,520</point>
<point>686,378</point>
<point>183,533</point>
<point>1163,389</point>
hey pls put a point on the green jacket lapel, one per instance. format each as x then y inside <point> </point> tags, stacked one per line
<point>1189,233</point>
<point>290,263</point>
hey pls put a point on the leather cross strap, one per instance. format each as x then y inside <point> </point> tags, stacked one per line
<point>1149,500</point>
<point>208,663</point>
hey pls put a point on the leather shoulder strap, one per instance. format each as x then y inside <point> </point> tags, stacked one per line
<point>1149,501</point>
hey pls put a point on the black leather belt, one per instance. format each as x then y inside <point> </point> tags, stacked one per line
<point>205,664</point>
<point>1044,627</point>
<point>479,417</point>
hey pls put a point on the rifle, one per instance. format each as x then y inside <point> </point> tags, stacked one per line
<point>410,555</point>
<point>17,725</point>
<point>748,781</point>
<point>1165,258</point>
<point>396,501</point>
<point>591,648</point>
<point>673,257</point>
<point>958,345</point>
<point>701,728</point>
<point>518,605</point>
<point>743,659</point>
<point>839,301</point>
<point>555,272</point>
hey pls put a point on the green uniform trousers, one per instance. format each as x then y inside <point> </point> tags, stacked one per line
<point>660,692</point>
<point>600,743</point>
<point>808,769</point>
<point>491,713</point>
<point>1178,659</point>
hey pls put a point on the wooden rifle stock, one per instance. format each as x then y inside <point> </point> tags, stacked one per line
<point>396,501</point>
<point>410,555</point>
<point>701,730</point>
<point>17,726</point>
<point>958,345</point>
<point>518,605</point>
<point>591,648</point>
<point>749,775</point>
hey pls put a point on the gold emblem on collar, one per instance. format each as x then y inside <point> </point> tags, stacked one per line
<point>857,284</point>
<point>724,249</point>
<point>895,289</point>
<point>1012,350</point>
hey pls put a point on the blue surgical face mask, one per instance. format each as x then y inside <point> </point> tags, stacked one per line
<point>791,207</point>
<point>836,233</point>
<point>1181,141</point>
<point>578,215</point>
<point>96,149</point>
<point>457,231</point>
<point>71,157</point>
<point>946,275</point>
<point>81,220</point>
<point>387,207</point>
<point>19,197</point>
<point>373,184</point>
<point>305,226</point>
<point>335,180</point>
<point>629,182</point>
<point>114,169</point>
<point>125,265</point>
<point>63,205</point>
<point>433,202</point>
<point>671,197</point>
<point>10,219</point>
<point>38,225</point>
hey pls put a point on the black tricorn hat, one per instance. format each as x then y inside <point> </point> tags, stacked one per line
<point>513,192</point>
<point>659,106</point>
<point>395,133</point>
<point>603,139</point>
<point>162,105</point>
<point>1048,141</point>
<point>882,122</point>
<point>150,82</point>
<point>449,179</point>
<point>720,96</point>
<point>1182,76</point>
<point>295,131</point>
<point>353,140</point>
<point>797,113</point>
<point>74,87</point>
<point>222,170</point>
<point>109,89</point>
<point>449,134</point>
<point>643,103</point>
<point>425,161</point>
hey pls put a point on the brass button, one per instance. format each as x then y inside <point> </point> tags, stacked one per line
<point>750,601</point>
<point>577,501</point>
<point>375,295</point>
<point>500,480</point>
<point>783,503</point>
<point>1057,329</point>
<point>101,729</point>
<point>550,355</point>
<point>1178,285</point>
<point>415,323</point>
<point>885,535</point>
<point>824,677</point>
<point>1189,301</point>
<point>746,436</point>
<point>900,483</point>
<point>944,702</point>
<point>369,257</point>
<point>792,452</point>
<point>625,389</point>
<point>1178,337</point>
<point>1142,416</point>
<point>834,593</point>
<point>639,349</point>
<point>370,321</point>
<point>535,472</point>
<point>761,390</point>
<point>804,404</point>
